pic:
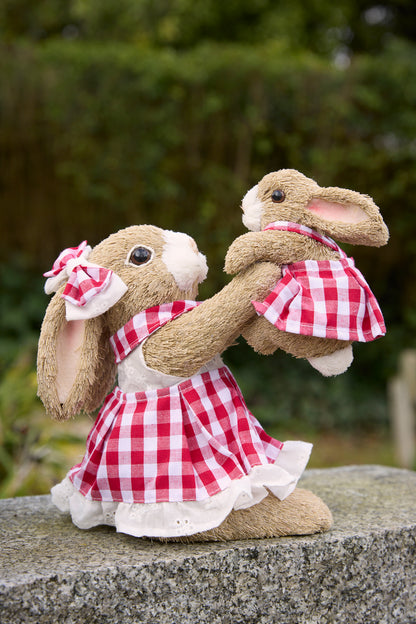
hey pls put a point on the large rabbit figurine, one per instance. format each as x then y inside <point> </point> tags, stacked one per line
<point>322,302</point>
<point>174,452</point>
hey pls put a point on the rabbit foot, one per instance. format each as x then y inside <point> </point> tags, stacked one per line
<point>333,364</point>
<point>301,513</point>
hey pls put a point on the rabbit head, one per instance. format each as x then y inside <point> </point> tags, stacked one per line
<point>149,266</point>
<point>288,195</point>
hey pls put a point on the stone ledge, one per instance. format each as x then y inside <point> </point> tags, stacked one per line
<point>364,570</point>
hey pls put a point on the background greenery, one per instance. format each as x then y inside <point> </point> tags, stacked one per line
<point>166,112</point>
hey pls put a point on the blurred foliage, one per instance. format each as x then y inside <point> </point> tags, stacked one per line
<point>98,136</point>
<point>291,394</point>
<point>319,26</point>
<point>22,306</point>
<point>34,453</point>
<point>166,112</point>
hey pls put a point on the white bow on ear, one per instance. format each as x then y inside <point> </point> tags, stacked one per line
<point>90,290</point>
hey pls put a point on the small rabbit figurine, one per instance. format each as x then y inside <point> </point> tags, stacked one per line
<point>322,302</point>
<point>174,452</point>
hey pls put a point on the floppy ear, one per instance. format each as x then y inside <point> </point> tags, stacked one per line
<point>76,367</point>
<point>347,216</point>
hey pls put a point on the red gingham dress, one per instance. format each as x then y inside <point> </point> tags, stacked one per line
<point>185,442</point>
<point>323,298</point>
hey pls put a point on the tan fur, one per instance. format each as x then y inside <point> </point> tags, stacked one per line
<point>288,247</point>
<point>184,345</point>
<point>179,348</point>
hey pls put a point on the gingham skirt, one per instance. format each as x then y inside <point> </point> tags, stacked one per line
<point>186,442</point>
<point>322,298</point>
<point>326,299</point>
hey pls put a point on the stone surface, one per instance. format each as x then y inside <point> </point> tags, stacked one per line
<point>363,570</point>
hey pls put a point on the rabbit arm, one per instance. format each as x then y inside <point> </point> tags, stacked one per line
<point>184,345</point>
<point>252,247</point>
<point>273,246</point>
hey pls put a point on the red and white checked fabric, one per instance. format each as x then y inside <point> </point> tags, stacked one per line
<point>185,442</point>
<point>298,228</point>
<point>145,323</point>
<point>85,280</point>
<point>182,443</point>
<point>65,256</point>
<point>322,298</point>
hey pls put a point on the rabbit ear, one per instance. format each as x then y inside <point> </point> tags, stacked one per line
<point>334,211</point>
<point>348,216</point>
<point>76,366</point>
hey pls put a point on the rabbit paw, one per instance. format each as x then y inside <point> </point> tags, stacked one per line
<point>333,364</point>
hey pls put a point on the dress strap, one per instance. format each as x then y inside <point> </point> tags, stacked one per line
<point>289,226</point>
<point>145,323</point>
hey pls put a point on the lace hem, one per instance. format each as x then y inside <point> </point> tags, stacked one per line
<point>189,517</point>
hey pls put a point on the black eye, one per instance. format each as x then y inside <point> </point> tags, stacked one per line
<point>278,196</point>
<point>140,255</point>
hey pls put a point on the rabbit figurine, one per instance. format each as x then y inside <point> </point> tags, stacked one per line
<point>322,302</point>
<point>174,452</point>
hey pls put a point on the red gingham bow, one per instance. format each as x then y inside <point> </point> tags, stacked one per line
<point>85,280</point>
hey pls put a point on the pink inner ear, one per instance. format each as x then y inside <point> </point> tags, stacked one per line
<point>333,211</point>
<point>68,350</point>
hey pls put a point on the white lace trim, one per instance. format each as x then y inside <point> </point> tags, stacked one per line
<point>187,518</point>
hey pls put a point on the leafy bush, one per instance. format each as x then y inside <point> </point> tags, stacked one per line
<point>35,453</point>
<point>21,450</point>
<point>288,393</point>
<point>99,136</point>
<point>22,304</point>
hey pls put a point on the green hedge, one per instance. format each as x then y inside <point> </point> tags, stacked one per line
<point>95,137</point>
